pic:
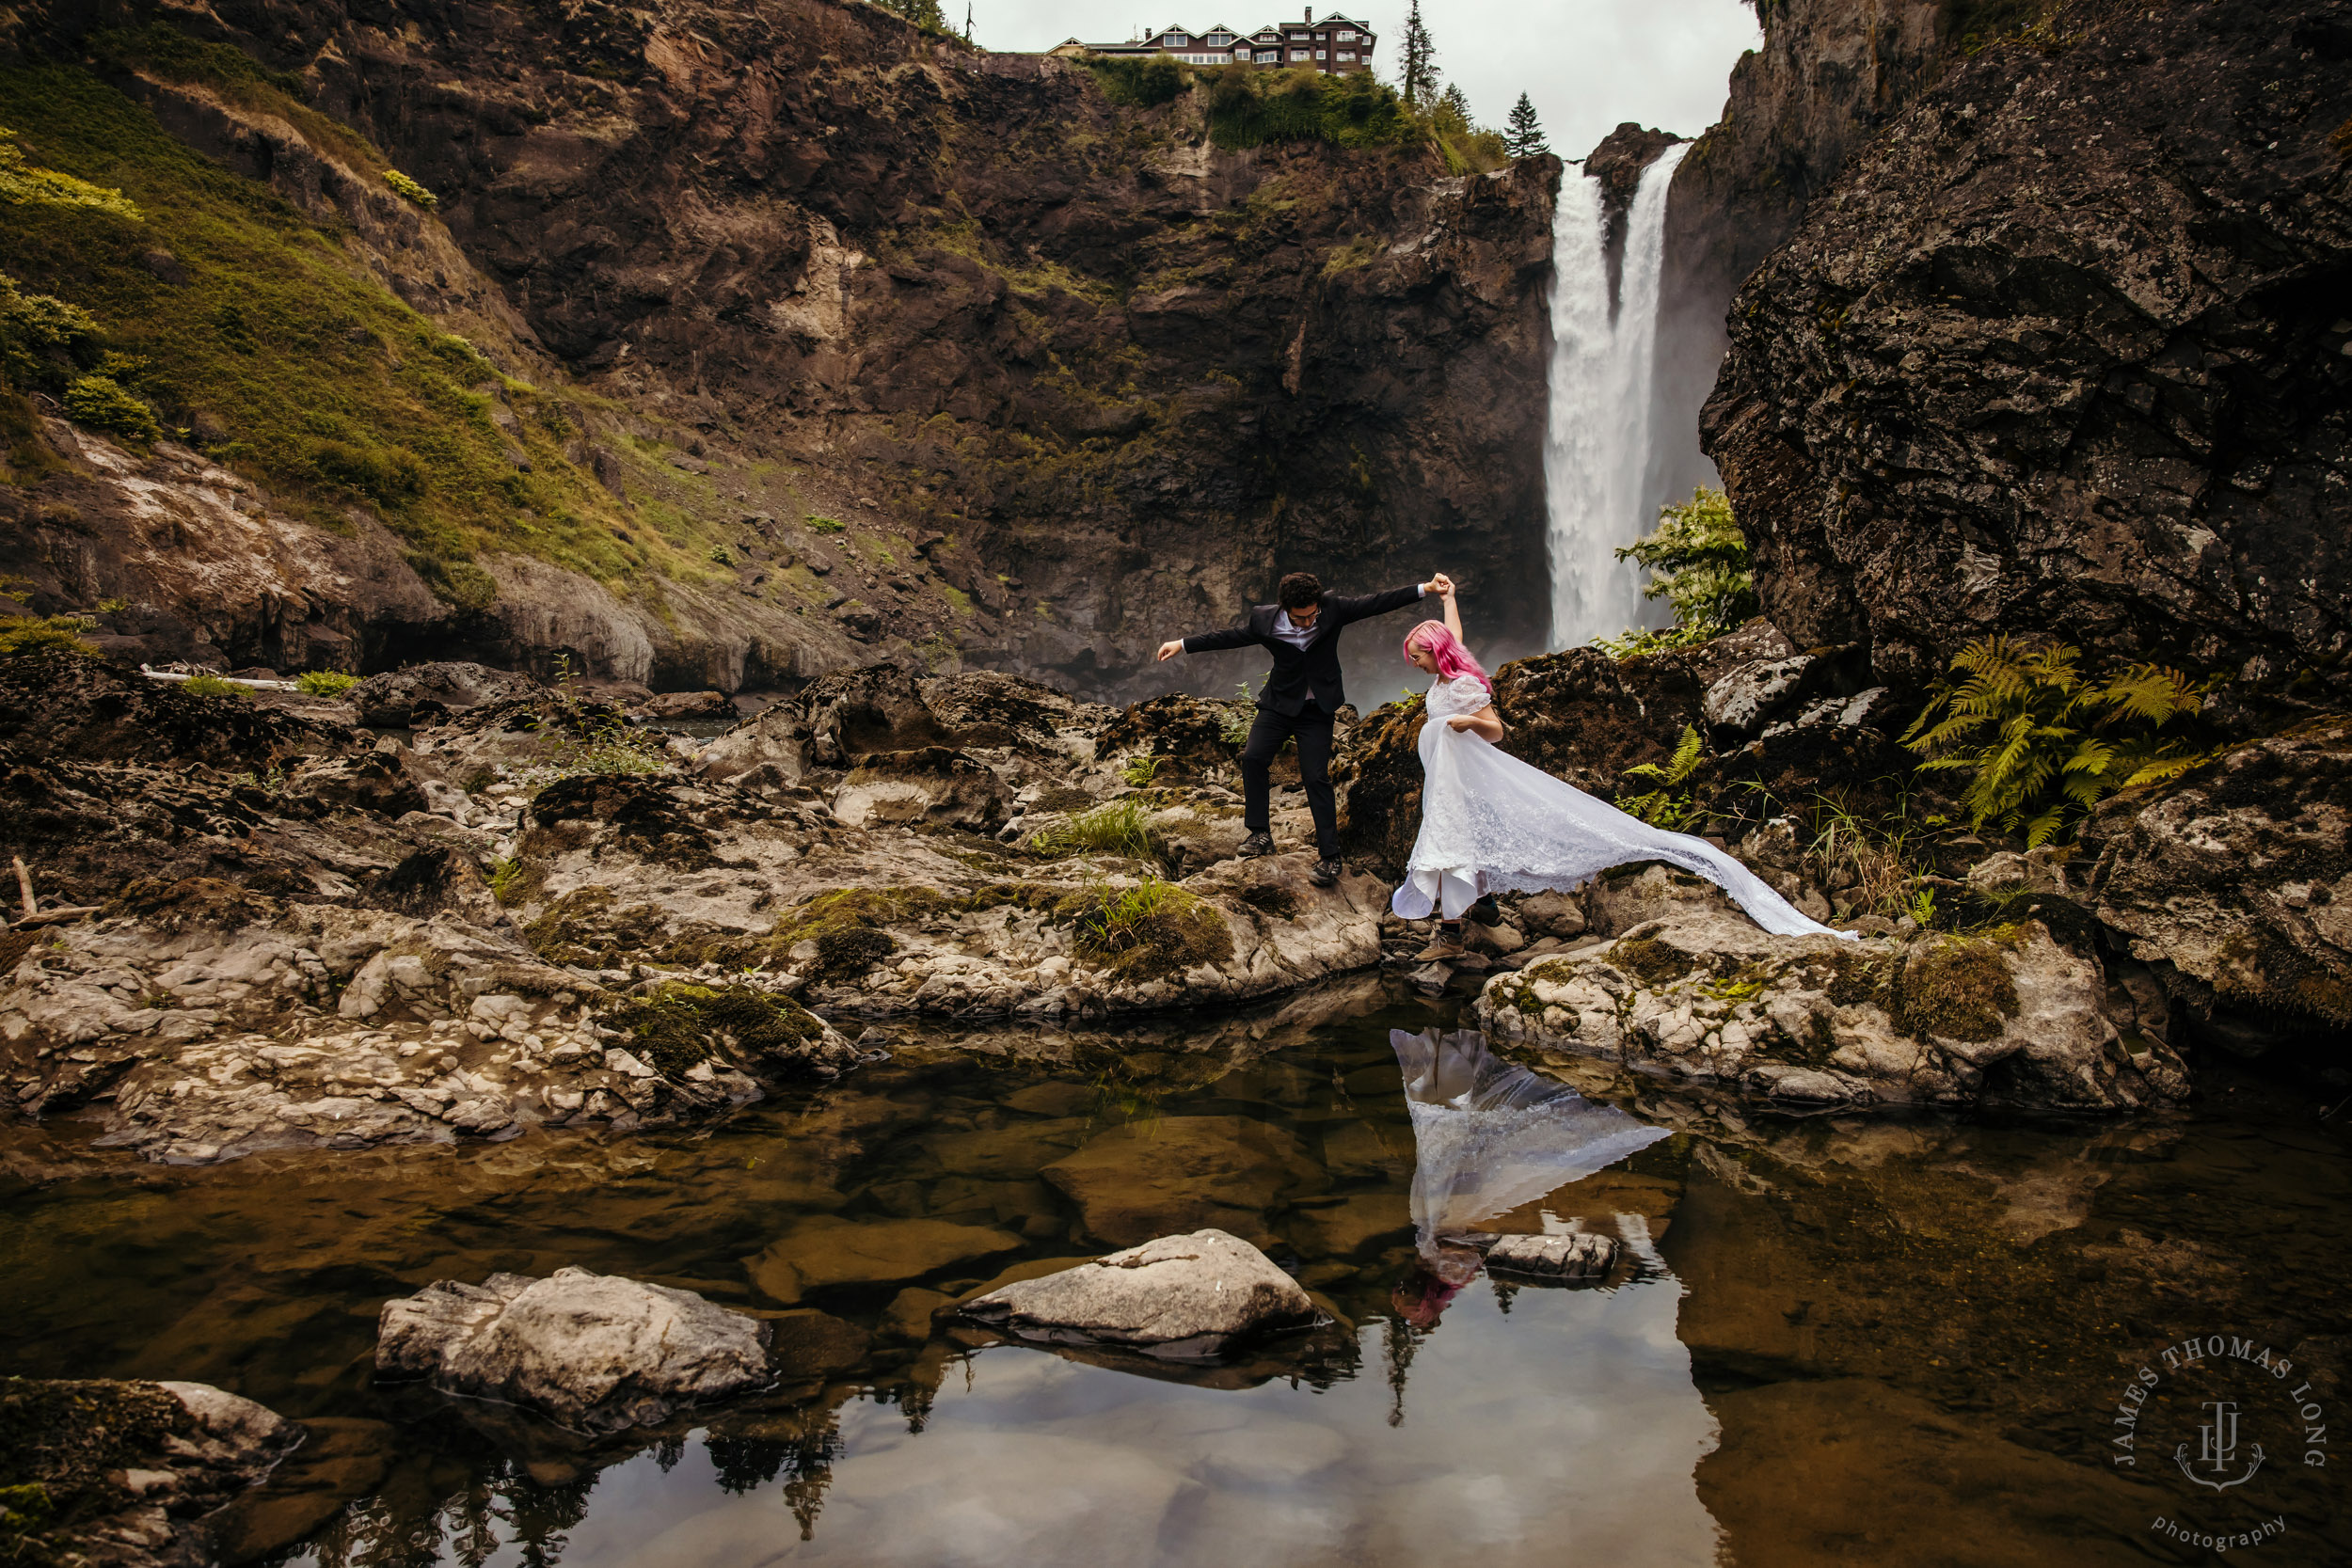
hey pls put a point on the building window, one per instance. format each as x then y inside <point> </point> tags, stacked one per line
<point>1175,41</point>
<point>1347,54</point>
<point>1298,53</point>
<point>1345,36</point>
<point>1318,53</point>
<point>1215,38</point>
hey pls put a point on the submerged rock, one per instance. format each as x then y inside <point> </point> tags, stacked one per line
<point>2011,1019</point>
<point>596,1352</point>
<point>1176,1296</point>
<point>124,1474</point>
<point>1579,1258</point>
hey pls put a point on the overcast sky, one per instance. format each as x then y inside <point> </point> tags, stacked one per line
<point>1588,64</point>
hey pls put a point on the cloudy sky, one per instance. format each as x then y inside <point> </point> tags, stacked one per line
<point>1588,64</point>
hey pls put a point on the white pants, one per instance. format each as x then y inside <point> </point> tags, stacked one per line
<point>1455,892</point>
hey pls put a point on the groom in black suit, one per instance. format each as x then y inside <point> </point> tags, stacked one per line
<point>1301,629</point>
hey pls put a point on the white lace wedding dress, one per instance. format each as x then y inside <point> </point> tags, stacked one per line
<point>1492,821</point>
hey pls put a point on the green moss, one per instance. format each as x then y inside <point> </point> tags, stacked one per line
<point>678,1025</point>
<point>854,909</point>
<point>585,927</point>
<point>1649,960</point>
<point>60,1444</point>
<point>326,683</point>
<point>1960,989</point>
<point>846,955</point>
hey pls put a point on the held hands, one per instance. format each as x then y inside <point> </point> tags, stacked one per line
<point>1169,650</point>
<point>1440,585</point>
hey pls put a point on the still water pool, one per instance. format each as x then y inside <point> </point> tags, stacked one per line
<point>1869,1339</point>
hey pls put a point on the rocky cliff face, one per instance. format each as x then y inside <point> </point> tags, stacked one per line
<point>2063,352</point>
<point>1830,75</point>
<point>842,269</point>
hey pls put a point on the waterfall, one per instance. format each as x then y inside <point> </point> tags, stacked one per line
<point>1597,449</point>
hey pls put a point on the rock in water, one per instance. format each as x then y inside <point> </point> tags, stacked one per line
<point>1578,1258</point>
<point>1178,1296</point>
<point>129,1470</point>
<point>593,1352</point>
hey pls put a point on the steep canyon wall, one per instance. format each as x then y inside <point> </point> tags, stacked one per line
<point>1082,379</point>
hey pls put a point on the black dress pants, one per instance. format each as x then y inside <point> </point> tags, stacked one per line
<point>1311,729</point>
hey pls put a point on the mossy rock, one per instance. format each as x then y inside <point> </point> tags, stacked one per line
<point>1649,960</point>
<point>1960,989</point>
<point>846,955</point>
<point>60,1441</point>
<point>583,927</point>
<point>680,1025</point>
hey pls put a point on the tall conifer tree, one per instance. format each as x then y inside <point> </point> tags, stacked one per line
<point>1420,56</point>
<point>1522,137</point>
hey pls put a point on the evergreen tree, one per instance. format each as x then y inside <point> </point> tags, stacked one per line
<point>923,13</point>
<point>1522,136</point>
<point>1419,85</point>
<point>1453,113</point>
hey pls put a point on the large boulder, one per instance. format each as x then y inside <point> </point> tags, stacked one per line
<point>595,1353</point>
<point>1180,1297</point>
<point>2012,1019</point>
<point>2016,372</point>
<point>2235,882</point>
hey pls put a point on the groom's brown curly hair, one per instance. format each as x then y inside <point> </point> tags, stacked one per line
<point>1298,590</point>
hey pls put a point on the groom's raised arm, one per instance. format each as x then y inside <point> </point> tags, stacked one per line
<point>1345,609</point>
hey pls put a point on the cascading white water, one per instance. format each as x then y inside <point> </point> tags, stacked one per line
<point>1597,448</point>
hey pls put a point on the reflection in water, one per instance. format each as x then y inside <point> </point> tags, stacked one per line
<point>1908,1327</point>
<point>1488,1137</point>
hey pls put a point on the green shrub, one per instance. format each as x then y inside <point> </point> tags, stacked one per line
<point>1136,83</point>
<point>821,525</point>
<point>1699,563</point>
<point>23,634</point>
<point>213,686</point>
<point>326,683</point>
<point>1116,828</point>
<point>1249,107</point>
<point>719,556</point>
<point>2041,743</point>
<point>99,403</point>
<point>408,190</point>
<point>1140,771</point>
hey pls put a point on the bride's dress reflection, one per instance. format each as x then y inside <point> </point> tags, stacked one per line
<point>1489,1136</point>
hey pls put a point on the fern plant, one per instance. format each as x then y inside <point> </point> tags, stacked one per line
<point>1662,807</point>
<point>2042,742</point>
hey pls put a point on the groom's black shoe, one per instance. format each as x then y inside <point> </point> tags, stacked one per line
<point>1257,844</point>
<point>1326,874</point>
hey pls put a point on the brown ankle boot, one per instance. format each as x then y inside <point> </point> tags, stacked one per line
<point>1447,945</point>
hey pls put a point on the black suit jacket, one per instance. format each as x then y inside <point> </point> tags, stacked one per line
<point>1314,670</point>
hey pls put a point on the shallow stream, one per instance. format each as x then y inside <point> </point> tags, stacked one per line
<point>1869,1339</point>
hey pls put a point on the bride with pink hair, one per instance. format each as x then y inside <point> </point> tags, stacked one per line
<point>1490,823</point>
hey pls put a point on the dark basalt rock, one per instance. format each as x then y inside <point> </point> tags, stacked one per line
<point>2061,352</point>
<point>2235,882</point>
<point>59,705</point>
<point>427,693</point>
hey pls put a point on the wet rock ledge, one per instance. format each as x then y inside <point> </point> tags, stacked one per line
<point>265,925</point>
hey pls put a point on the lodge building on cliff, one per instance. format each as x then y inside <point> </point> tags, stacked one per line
<point>1335,44</point>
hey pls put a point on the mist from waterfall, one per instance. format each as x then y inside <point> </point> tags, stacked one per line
<point>1597,447</point>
